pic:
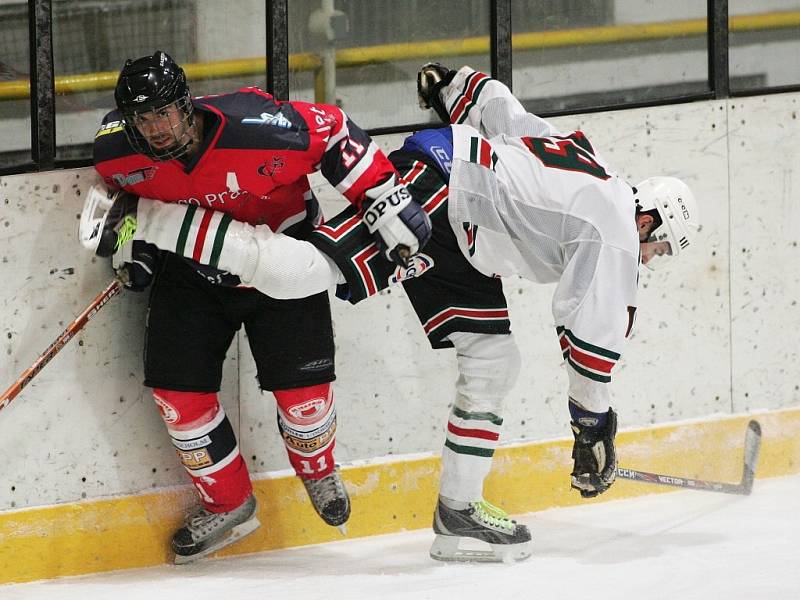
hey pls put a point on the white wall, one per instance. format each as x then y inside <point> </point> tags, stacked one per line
<point>714,335</point>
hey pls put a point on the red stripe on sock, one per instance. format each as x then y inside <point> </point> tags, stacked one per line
<point>473,433</point>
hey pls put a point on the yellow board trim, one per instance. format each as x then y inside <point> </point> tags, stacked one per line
<point>134,531</point>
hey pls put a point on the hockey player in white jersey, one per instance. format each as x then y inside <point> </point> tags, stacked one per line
<point>508,195</point>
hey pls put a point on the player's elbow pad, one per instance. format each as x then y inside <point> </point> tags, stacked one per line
<point>288,268</point>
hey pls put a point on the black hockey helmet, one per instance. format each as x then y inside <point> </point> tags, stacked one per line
<point>145,88</point>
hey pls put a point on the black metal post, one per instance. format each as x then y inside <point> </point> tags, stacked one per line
<point>278,48</point>
<point>43,101</point>
<point>500,40</point>
<point>718,73</point>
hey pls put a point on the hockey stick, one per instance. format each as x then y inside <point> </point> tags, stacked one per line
<point>45,357</point>
<point>752,445</point>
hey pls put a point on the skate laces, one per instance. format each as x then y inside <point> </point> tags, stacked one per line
<point>492,515</point>
<point>126,230</point>
<point>203,520</point>
<point>324,490</point>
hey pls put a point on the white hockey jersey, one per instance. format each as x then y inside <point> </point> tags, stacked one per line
<point>530,200</point>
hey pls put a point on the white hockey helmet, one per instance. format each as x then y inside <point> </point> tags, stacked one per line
<point>678,217</point>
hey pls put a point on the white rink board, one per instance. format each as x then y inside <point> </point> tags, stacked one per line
<point>86,428</point>
<point>765,250</point>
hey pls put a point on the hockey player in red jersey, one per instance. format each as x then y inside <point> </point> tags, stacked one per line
<point>508,194</point>
<point>245,157</point>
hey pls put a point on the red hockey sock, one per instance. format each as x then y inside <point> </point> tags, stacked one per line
<point>206,445</point>
<point>307,420</point>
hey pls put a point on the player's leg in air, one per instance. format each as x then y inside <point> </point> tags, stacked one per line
<point>292,344</point>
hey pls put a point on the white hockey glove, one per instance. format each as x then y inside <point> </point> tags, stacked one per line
<point>400,225</point>
<point>107,227</point>
<point>432,77</point>
<point>108,220</point>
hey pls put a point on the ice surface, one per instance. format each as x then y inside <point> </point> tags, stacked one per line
<point>680,545</point>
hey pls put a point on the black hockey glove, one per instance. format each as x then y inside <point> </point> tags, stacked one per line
<point>135,264</point>
<point>400,225</point>
<point>595,457</point>
<point>432,77</point>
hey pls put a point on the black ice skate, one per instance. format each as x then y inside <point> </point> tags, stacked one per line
<point>206,532</point>
<point>509,541</point>
<point>330,499</point>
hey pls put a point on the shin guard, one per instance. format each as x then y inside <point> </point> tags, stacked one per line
<point>207,447</point>
<point>307,421</point>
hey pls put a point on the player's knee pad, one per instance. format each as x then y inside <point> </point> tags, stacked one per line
<point>307,421</point>
<point>488,367</point>
<point>200,431</point>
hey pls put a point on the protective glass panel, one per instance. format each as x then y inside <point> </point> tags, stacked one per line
<point>92,40</point>
<point>764,43</point>
<point>15,104</point>
<point>574,54</point>
<point>364,56</point>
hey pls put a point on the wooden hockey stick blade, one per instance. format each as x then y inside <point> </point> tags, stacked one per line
<point>752,446</point>
<point>73,328</point>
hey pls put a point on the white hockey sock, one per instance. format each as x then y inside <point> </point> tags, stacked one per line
<point>467,455</point>
<point>488,366</point>
<point>454,504</point>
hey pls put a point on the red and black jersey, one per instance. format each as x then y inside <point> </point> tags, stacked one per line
<point>253,165</point>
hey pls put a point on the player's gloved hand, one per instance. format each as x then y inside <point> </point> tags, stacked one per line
<point>135,264</point>
<point>432,77</point>
<point>108,219</point>
<point>595,456</point>
<point>400,225</point>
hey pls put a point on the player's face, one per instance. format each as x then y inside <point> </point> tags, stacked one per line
<point>653,250</point>
<point>163,127</point>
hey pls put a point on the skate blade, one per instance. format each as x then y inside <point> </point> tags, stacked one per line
<point>234,535</point>
<point>445,548</point>
<point>342,529</point>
